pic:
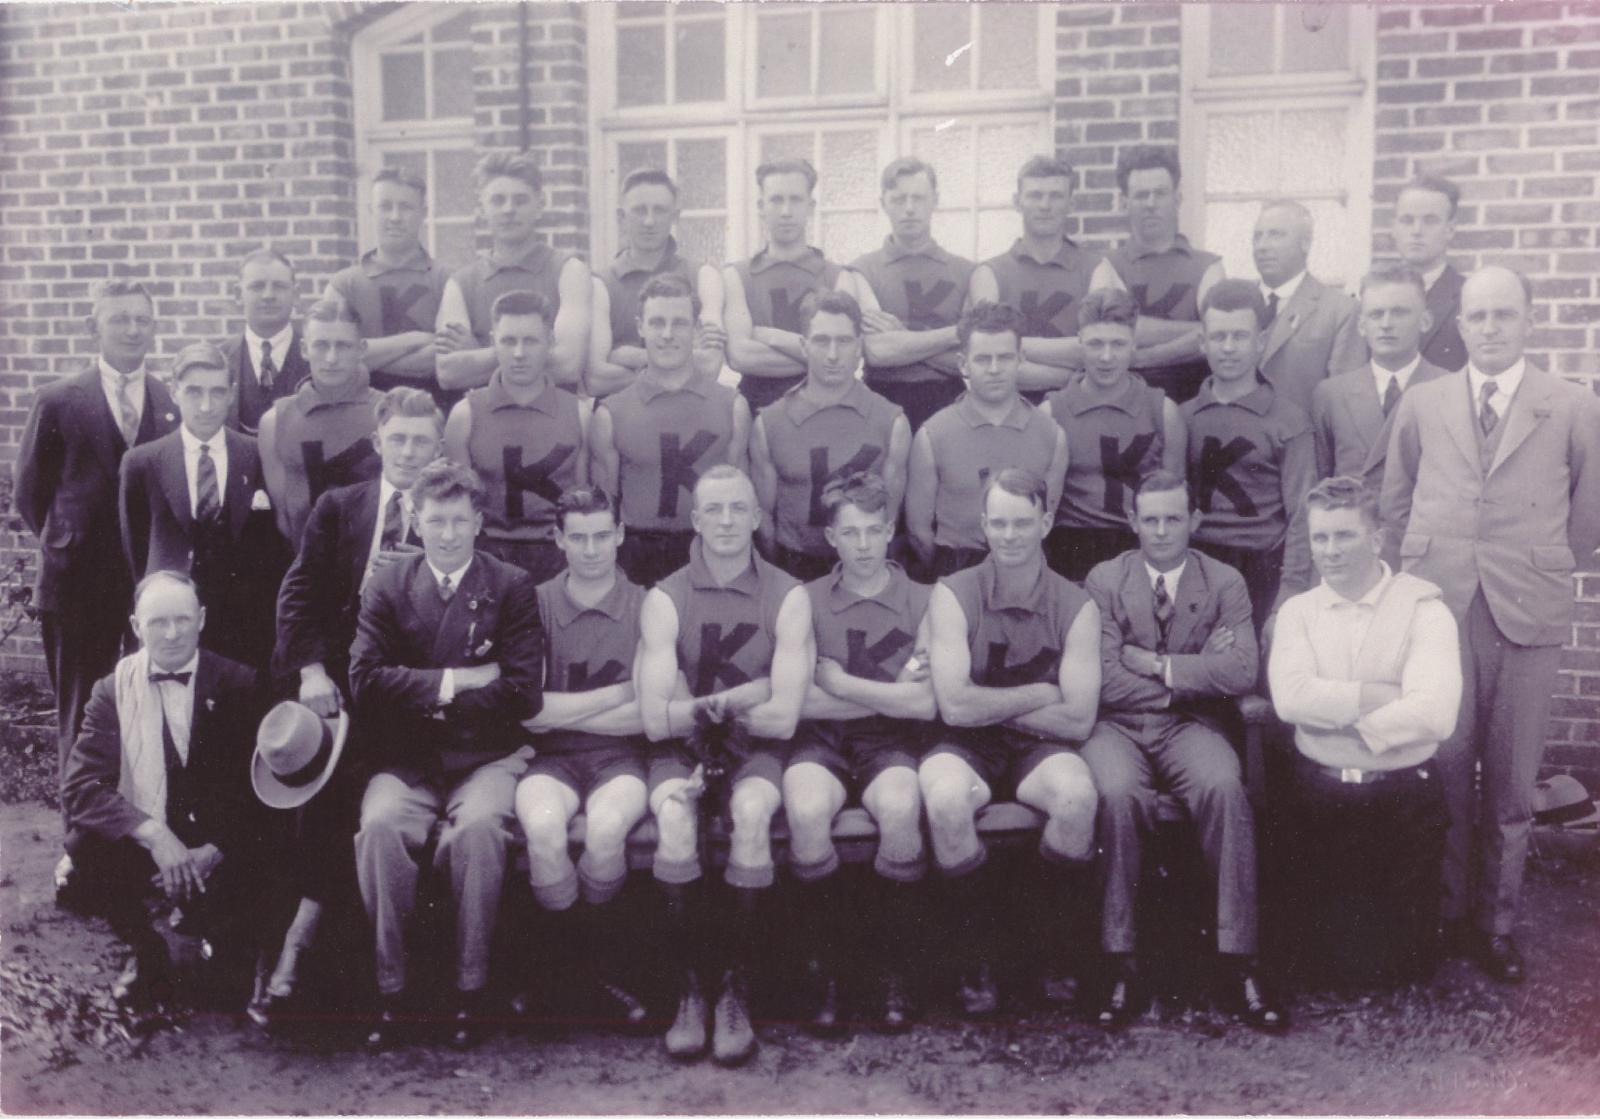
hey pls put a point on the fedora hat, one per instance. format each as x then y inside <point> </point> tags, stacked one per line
<point>1559,799</point>
<point>296,751</point>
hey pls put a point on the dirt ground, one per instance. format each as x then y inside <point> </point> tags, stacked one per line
<point>1461,1045</point>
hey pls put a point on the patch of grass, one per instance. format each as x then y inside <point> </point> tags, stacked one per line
<point>28,758</point>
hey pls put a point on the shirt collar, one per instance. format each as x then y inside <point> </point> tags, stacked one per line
<point>1016,418</point>
<point>1431,276</point>
<point>1330,599</point>
<point>281,342</point>
<point>387,489</point>
<point>811,261</point>
<point>895,594</point>
<point>111,376</point>
<point>499,398</point>
<point>894,251</point>
<point>192,445</point>
<point>801,407</point>
<point>1028,599</point>
<point>1505,384</point>
<point>417,260</point>
<point>611,604</point>
<point>1257,400</point>
<point>1078,401</point>
<point>747,583</point>
<point>649,386</point>
<point>1285,291</point>
<point>313,397</point>
<point>530,259</point>
<point>1065,256</point>
<point>1180,245</point>
<point>622,264</point>
<point>191,666</point>
<point>1403,375</point>
<point>457,577</point>
<point>1172,577</point>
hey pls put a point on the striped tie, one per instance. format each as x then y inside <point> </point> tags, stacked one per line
<point>1487,416</point>
<point>447,589</point>
<point>1164,613</point>
<point>207,495</point>
<point>130,415</point>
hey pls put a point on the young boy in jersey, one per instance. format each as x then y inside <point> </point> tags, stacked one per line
<point>828,426</point>
<point>1118,430</point>
<point>590,746</point>
<point>524,436</point>
<point>866,718</point>
<point>738,630</point>
<point>651,442</point>
<point>990,428</point>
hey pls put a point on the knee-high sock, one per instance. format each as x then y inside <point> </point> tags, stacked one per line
<point>685,923</point>
<point>816,902</point>
<point>969,911</point>
<point>744,937</point>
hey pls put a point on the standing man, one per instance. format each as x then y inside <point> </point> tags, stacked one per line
<point>395,288</point>
<point>764,293</point>
<point>447,663</point>
<point>523,435</point>
<point>1014,651</point>
<point>738,630</point>
<point>911,293</point>
<point>653,440</point>
<point>510,199</point>
<point>1494,476</point>
<point>268,361</point>
<point>827,427</point>
<point>1424,225</point>
<point>1176,645</point>
<point>1311,328</point>
<point>648,210</point>
<point>958,451</point>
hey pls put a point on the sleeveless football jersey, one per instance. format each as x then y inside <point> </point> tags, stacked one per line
<point>870,637</point>
<point>1015,640</point>
<point>589,647</point>
<point>391,299</point>
<point>325,441</point>
<point>774,290</point>
<point>1047,292</point>
<point>624,280</point>
<point>537,269</point>
<point>967,448</point>
<point>665,439</point>
<point>726,634</point>
<point>1166,285</point>
<point>1110,446</point>
<point>526,455</point>
<point>925,290</point>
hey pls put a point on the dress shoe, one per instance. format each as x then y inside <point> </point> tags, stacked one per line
<point>978,994</point>
<point>1251,1001</point>
<point>1122,1001</point>
<point>733,1038</point>
<point>70,892</point>
<point>466,1025</point>
<point>1455,937</point>
<point>389,1029</point>
<point>270,1012</point>
<point>898,1010</point>
<point>686,1038</point>
<point>825,1016</point>
<point>1499,958</point>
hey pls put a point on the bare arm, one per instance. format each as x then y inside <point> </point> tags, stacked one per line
<point>273,474</point>
<point>610,369</point>
<point>794,653</point>
<point>569,344</point>
<point>1056,475</point>
<point>895,462</point>
<point>908,697</point>
<point>567,710</point>
<point>656,671</point>
<point>458,433</point>
<point>739,442</point>
<point>711,340</point>
<point>1072,718</point>
<point>961,702</point>
<point>603,459</point>
<point>462,363</point>
<point>749,356</point>
<point>1174,439</point>
<point>764,475</point>
<point>922,483</point>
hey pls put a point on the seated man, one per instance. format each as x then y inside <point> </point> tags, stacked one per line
<point>1176,639</point>
<point>157,789</point>
<point>447,662</point>
<point>591,746</point>
<point>1367,668</point>
<point>1014,650</point>
<point>739,632</point>
<point>867,714</point>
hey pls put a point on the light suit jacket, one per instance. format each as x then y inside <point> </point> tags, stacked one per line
<point>1313,337</point>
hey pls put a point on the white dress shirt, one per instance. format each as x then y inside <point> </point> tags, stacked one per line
<point>1403,375</point>
<point>280,341</point>
<point>447,683</point>
<point>1505,387</point>
<point>177,705</point>
<point>1284,291</point>
<point>1431,276</point>
<point>111,383</point>
<point>386,490</point>
<point>191,465</point>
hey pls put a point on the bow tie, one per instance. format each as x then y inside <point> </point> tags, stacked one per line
<point>179,678</point>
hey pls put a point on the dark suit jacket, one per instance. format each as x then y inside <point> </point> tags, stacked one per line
<point>1313,336</point>
<point>227,709</point>
<point>1442,345</point>
<point>407,636</point>
<point>320,597</point>
<point>1210,595</point>
<point>67,488</point>
<point>250,402</point>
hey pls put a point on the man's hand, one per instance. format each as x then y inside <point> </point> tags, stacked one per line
<point>1141,662</point>
<point>915,670</point>
<point>317,690</point>
<point>710,336</point>
<point>476,676</point>
<point>207,858</point>
<point>453,339</point>
<point>176,869</point>
<point>1220,641</point>
<point>880,322</point>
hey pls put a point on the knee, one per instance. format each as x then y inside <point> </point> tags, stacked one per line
<point>545,829</point>
<point>1074,799</point>
<point>475,830</point>
<point>949,806</point>
<point>751,811</point>
<point>607,827</point>
<point>1219,788</point>
<point>810,812</point>
<point>675,825</point>
<point>897,806</point>
<point>381,823</point>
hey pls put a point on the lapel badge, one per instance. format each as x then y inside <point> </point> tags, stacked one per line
<point>211,704</point>
<point>484,648</point>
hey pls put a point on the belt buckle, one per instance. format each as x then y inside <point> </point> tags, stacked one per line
<point>1352,776</point>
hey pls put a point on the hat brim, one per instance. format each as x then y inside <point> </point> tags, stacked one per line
<point>275,794</point>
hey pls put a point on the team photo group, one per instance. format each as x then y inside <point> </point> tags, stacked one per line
<point>452,595</point>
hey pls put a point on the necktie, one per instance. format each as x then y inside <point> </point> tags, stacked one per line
<point>269,368</point>
<point>207,497</point>
<point>394,523</point>
<point>1487,416</point>
<point>447,589</point>
<point>179,678</point>
<point>129,421</point>
<point>1391,395</point>
<point>1272,308</point>
<point>1164,612</point>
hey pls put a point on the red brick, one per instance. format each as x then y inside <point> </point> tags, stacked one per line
<point>1409,94</point>
<point>1499,39</point>
<point>1451,17</point>
<point>1450,66</point>
<point>1524,63</point>
<point>1493,89</point>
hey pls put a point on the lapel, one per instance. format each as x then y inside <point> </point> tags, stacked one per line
<point>239,370</point>
<point>1459,420</point>
<point>459,620</point>
<point>293,367</point>
<point>1191,592</point>
<point>1140,603</point>
<point>1293,315</point>
<point>1378,451</point>
<point>1366,410</point>
<point>158,418</point>
<point>174,476</point>
<point>1529,408</point>
<point>205,690</point>
<point>361,519</point>
<point>243,466</point>
<point>424,595</point>
<point>1441,302</point>
<point>104,434</point>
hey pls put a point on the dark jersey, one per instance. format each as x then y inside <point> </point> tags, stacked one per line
<point>526,456</point>
<point>925,290</point>
<point>665,439</point>
<point>537,269</point>
<point>871,638</point>
<point>1166,285</point>
<point>1110,446</point>
<point>1016,640</point>
<point>1047,292</point>
<point>810,446</point>
<point>624,279</point>
<point>391,299</point>
<point>589,647</point>
<point>325,441</point>
<point>726,634</point>
<point>967,448</point>
<point>774,290</point>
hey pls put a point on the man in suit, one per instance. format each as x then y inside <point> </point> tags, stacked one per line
<point>1351,414</point>
<point>266,360</point>
<point>1310,327</point>
<point>192,501</point>
<point>448,661</point>
<point>1424,224</point>
<point>1176,643</point>
<point>1495,476</point>
<point>157,790</point>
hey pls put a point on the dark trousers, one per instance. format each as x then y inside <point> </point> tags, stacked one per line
<point>1073,552</point>
<point>1262,571</point>
<point>80,646</point>
<point>647,556</point>
<point>918,399</point>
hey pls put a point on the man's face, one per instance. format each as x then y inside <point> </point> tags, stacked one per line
<point>1152,202</point>
<point>1014,527</point>
<point>204,396</point>
<point>1280,244</point>
<point>1044,204</point>
<point>861,539</point>
<point>1162,521</point>
<point>168,619</point>
<point>725,515</point>
<point>1393,319</point>
<point>406,444</point>
<point>1343,546</point>
<point>666,323</point>
<point>590,542</point>
<point>784,205</point>
<point>647,213</point>
<point>511,207</point>
<point>1232,343</point>
<point>398,210</point>
<point>910,204</point>
<point>449,531</point>
<point>522,346</point>
<point>1423,227</point>
<point>832,348</point>
<point>267,296</point>
<point>124,326</point>
<point>1495,320</point>
<point>989,362</point>
<point>335,351</point>
<point>1107,353</point>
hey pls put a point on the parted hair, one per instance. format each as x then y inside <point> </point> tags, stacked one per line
<point>1235,295</point>
<point>1018,483</point>
<point>265,255</point>
<point>110,289</point>
<point>669,285</point>
<point>509,165</point>
<point>1394,274</point>
<point>791,166</point>
<point>1047,167</point>
<point>586,499</point>
<point>402,178</point>
<point>648,176</point>
<point>332,310</point>
<point>520,303</point>
<point>989,318</point>
<point>1436,184</point>
<point>862,488</point>
<point>1148,157</point>
<point>907,165</point>
<point>832,303</point>
<point>1162,481</point>
<point>1108,305</point>
<point>197,355</point>
<point>1344,491</point>
<point>447,481</point>
<point>721,472</point>
<point>403,400</point>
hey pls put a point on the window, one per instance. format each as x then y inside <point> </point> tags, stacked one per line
<point>710,91</point>
<point>1279,104</point>
<point>413,82</point>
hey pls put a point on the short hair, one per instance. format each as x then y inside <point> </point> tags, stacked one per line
<point>907,165</point>
<point>265,255</point>
<point>408,402</point>
<point>1436,184</point>
<point>989,318</point>
<point>1308,224</point>
<point>1108,305</point>
<point>669,285</point>
<point>1147,157</point>
<point>401,177</point>
<point>1017,482</point>
<point>508,165</point>
<point>1047,167</point>
<point>197,355</point>
<point>863,489</point>
<point>721,472</point>
<point>1163,481</point>
<point>166,575</point>
<point>1527,284</point>
<point>1235,295</point>
<point>647,176</point>
<point>447,481</point>
<point>111,289</point>
<point>832,303</point>
<point>790,166</point>
<point>1394,274</point>
<point>521,303</point>
<point>1345,491</point>
<point>579,500</point>
<point>332,310</point>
